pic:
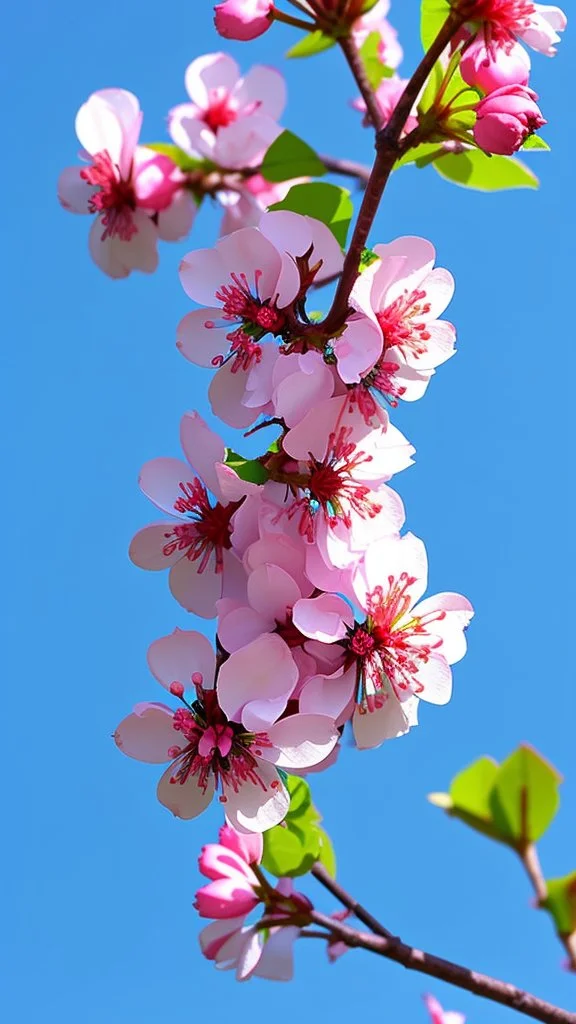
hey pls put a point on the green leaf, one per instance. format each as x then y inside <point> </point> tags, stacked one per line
<point>367,258</point>
<point>524,799</point>
<point>326,854</point>
<point>290,157</point>
<point>474,169</point>
<point>179,157</point>
<point>535,142</point>
<point>328,203</point>
<point>470,789</point>
<point>433,14</point>
<point>293,847</point>
<point>373,66</point>
<point>431,88</point>
<point>246,469</point>
<point>561,903</point>
<point>420,155</point>
<point>314,42</point>
<point>300,798</point>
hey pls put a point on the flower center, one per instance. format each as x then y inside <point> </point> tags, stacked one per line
<point>382,380</point>
<point>209,529</point>
<point>255,317</point>
<point>115,199</point>
<point>504,18</point>
<point>390,646</point>
<point>213,746</point>
<point>401,324</point>
<point>221,111</point>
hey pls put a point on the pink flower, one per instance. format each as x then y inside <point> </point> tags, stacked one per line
<point>249,950</point>
<point>388,94</point>
<point>389,51</point>
<point>403,650</point>
<point>245,285</point>
<point>272,592</point>
<point>487,67</point>
<point>537,25</point>
<point>505,119</point>
<point>243,19</point>
<point>234,889</point>
<point>126,185</point>
<point>196,543</point>
<point>232,120</point>
<point>405,293</point>
<point>207,747</point>
<point>339,497</point>
<point>440,1016</point>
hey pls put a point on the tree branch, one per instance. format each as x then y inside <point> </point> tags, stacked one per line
<point>388,149</point>
<point>354,60</point>
<point>349,168</point>
<point>445,970</point>
<point>348,901</point>
<point>529,858</point>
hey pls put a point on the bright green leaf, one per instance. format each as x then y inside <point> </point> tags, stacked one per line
<point>561,902</point>
<point>328,203</point>
<point>367,258</point>
<point>375,70</point>
<point>474,169</point>
<point>433,14</point>
<point>246,469</point>
<point>294,846</point>
<point>470,789</point>
<point>525,798</point>
<point>179,157</point>
<point>290,157</point>
<point>326,854</point>
<point>420,155</point>
<point>431,88</point>
<point>535,142</point>
<point>300,797</point>
<point>314,42</point>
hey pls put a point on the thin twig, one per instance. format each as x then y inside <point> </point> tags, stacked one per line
<point>529,857</point>
<point>348,901</point>
<point>350,51</point>
<point>445,970</point>
<point>348,168</point>
<point>388,149</point>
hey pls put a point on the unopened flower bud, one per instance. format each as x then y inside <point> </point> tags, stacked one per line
<point>243,19</point>
<point>505,119</point>
<point>492,67</point>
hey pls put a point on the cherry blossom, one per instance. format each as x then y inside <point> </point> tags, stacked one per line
<point>388,94</point>
<point>502,21</point>
<point>231,120</point>
<point>209,749</point>
<point>138,195</point>
<point>400,653</point>
<point>243,19</point>
<point>406,294</point>
<point>196,543</point>
<point>250,950</point>
<point>438,1015</point>
<point>339,497</point>
<point>390,52</point>
<point>246,283</point>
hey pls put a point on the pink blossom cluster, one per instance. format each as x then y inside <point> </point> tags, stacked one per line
<point>495,63</point>
<point>141,195</point>
<point>319,600</point>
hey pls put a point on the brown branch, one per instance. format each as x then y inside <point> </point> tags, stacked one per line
<point>348,901</point>
<point>445,970</point>
<point>388,149</point>
<point>528,855</point>
<point>349,168</point>
<point>354,60</point>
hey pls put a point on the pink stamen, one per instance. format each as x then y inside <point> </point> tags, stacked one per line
<point>116,200</point>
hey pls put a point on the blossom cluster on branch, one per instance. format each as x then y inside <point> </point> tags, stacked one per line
<point>300,554</point>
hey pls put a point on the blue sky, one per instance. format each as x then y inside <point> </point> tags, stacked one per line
<point>98,878</point>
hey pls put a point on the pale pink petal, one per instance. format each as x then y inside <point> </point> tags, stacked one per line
<point>249,253</point>
<point>202,275</point>
<point>201,336</point>
<point>244,142</point>
<point>277,958</point>
<point>176,221</point>
<point>457,614</point>
<point>325,577</point>
<point>296,393</point>
<point>226,393</point>
<point>435,680</point>
<point>272,591</point>
<point>98,128</point>
<point>241,626</point>
<point>189,132</point>
<point>162,480</point>
<point>390,557</point>
<point>215,935</point>
<point>257,806</point>
<point>73,192</point>
<point>179,656</point>
<point>330,695</point>
<point>393,719</point>
<point>301,741</point>
<point>232,487</point>
<point>295,234</point>
<point>196,591</point>
<point>187,800</point>
<point>358,348</point>
<point>265,87</point>
<point>325,618</point>
<point>250,953</point>
<point>283,551</point>
<point>413,258</point>
<point>202,447</point>
<point>212,73</point>
<point>118,258</point>
<point>148,733</point>
<point>127,109</point>
<point>262,671</point>
<point>439,288</point>
<point>147,547</point>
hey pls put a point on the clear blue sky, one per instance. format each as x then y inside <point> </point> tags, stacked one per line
<point>99,879</point>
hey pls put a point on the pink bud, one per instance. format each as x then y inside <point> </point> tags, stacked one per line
<point>176,689</point>
<point>225,897</point>
<point>156,180</point>
<point>505,119</point>
<point>249,845</point>
<point>243,19</point>
<point>492,67</point>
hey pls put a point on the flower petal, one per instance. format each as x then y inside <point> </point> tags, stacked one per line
<point>262,671</point>
<point>187,800</point>
<point>181,654</point>
<point>301,741</point>
<point>257,806</point>
<point>393,719</point>
<point>148,733</point>
<point>148,545</point>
